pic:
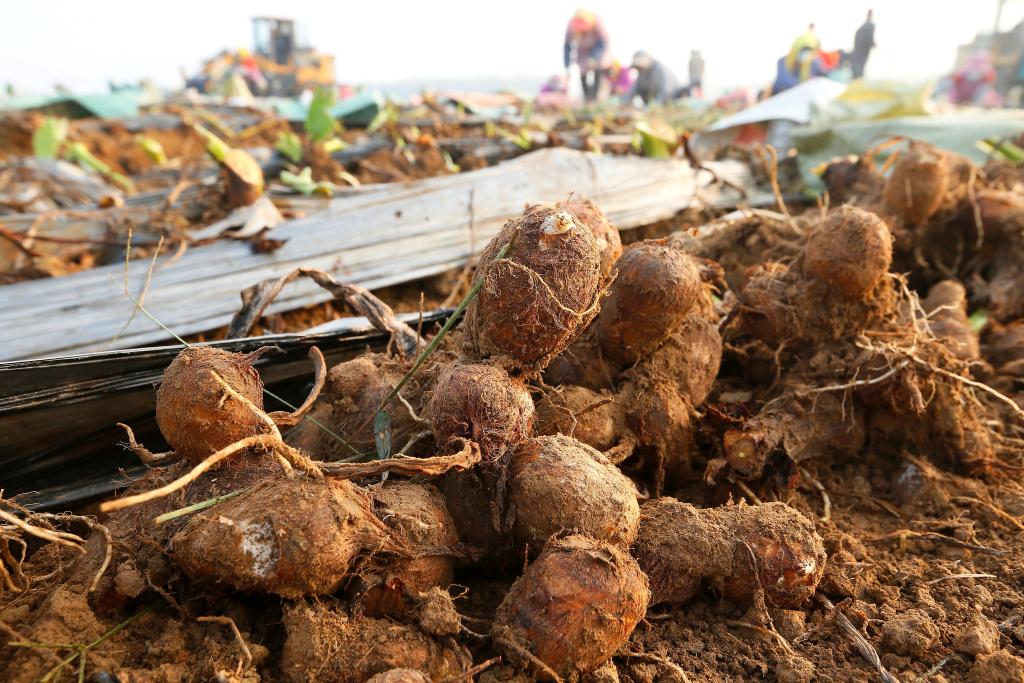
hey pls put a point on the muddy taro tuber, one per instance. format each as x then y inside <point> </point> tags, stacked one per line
<point>290,537</point>
<point>480,402</point>
<point>556,483</point>
<point>352,394</point>
<point>583,364</point>
<point>607,235</point>
<point>573,608</point>
<point>594,418</point>
<point>797,428</point>
<point>193,410</point>
<point>425,535</point>
<point>325,645</point>
<point>918,184</point>
<point>540,295</point>
<point>735,549</point>
<point>654,290</point>
<point>851,251</point>
<point>946,306</point>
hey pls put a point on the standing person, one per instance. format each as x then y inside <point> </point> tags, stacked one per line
<point>801,54</point>
<point>863,43</point>
<point>587,37</point>
<point>696,74</point>
<point>655,83</point>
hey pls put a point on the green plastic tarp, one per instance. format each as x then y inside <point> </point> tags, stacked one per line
<point>356,110</point>
<point>117,105</point>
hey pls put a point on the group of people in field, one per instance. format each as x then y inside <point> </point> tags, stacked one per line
<point>603,76</point>
<point>651,81</point>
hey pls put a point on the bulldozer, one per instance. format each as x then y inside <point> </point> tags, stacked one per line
<point>284,55</point>
<point>285,60</point>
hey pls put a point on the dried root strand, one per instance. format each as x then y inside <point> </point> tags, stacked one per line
<point>59,537</point>
<point>264,440</point>
<point>228,621</point>
<point>285,419</point>
<point>859,641</point>
<point>145,455</point>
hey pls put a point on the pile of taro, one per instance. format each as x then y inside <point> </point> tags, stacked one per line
<point>548,467</point>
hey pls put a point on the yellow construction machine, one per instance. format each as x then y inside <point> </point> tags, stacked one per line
<point>286,62</point>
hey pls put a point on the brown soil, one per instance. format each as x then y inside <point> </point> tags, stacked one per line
<point>820,471</point>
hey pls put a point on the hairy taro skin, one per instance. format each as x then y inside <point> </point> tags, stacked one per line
<point>918,183</point>
<point>583,364</point>
<point>352,394</point>
<point>424,532</point>
<point>482,403</point>
<point>573,608</point>
<point>539,296</point>
<point>556,483</point>
<point>323,644</point>
<point>290,537</point>
<point>191,409</point>
<point>594,418</point>
<point>654,290</point>
<point>851,251</point>
<point>605,233</point>
<point>735,549</point>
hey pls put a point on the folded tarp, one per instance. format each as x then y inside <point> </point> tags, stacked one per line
<point>957,132</point>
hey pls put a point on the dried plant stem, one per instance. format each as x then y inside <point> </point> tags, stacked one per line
<point>196,507</point>
<point>859,641</point>
<point>265,440</point>
<point>773,177</point>
<point>228,621</point>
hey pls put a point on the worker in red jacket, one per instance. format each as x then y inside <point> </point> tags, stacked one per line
<point>588,38</point>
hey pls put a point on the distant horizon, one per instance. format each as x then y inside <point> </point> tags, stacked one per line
<point>401,44</point>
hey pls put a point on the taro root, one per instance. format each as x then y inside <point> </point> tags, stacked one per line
<point>607,235</point>
<point>583,364</point>
<point>851,178</point>
<point>838,288</point>
<point>1001,214</point>
<point>437,613</point>
<point>291,537</point>
<point>596,419</point>
<point>735,549</point>
<point>195,414</point>
<point>425,535</point>
<point>655,288</point>
<point>689,359</point>
<point>918,184</point>
<point>572,609</point>
<point>661,392</point>
<point>556,483</point>
<point>399,676</point>
<point>765,309</point>
<point>480,402</point>
<point>472,498</point>
<point>352,394</point>
<point>851,251</point>
<point>1002,218</point>
<point>540,295</point>
<point>946,306</point>
<point>795,428</point>
<point>243,178</point>
<point>323,644</point>
<point>661,418</point>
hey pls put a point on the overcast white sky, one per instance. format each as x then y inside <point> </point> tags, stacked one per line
<point>82,43</point>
